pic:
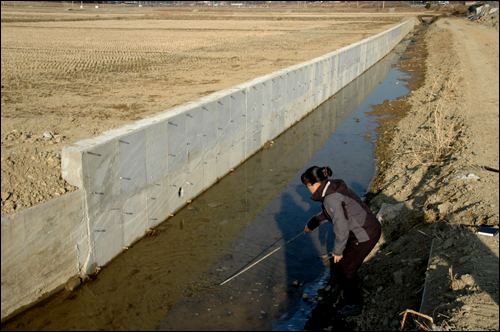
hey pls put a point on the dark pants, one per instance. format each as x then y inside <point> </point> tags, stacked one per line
<point>353,256</point>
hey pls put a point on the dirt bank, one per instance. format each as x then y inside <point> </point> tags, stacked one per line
<point>437,155</point>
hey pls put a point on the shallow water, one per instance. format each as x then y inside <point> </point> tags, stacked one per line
<point>170,280</point>
<point>339,135</point>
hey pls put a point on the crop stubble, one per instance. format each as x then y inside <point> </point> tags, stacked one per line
<point>77,79</point>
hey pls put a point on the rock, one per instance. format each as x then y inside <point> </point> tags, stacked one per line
<point>73,283</point>
<point>389,212</point>
<point>467,308</point>
<point>47,135</point>
<point>464,259</point>
<point>448,243</point>
<point>9,205</point>
<point>380,289</point>
<point>385,321</point>
<point>443,208</point>
<point>295,283</point>
<point>468,279</point>
<point>6,195</point>
<point>398,276</point>
<point>305,296</point>
<point>395,322</point>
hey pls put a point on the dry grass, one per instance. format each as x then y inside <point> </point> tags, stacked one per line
<point>442,127</point>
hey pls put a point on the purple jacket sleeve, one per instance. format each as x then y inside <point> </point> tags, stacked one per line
<point>333,207</point>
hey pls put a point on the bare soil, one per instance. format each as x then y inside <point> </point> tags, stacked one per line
<point>53,82</point>
<point>69,74</point>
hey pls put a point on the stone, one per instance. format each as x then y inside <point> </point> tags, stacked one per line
<point>305,296</point>
<point>73,283</point>
<point>463,259</point>
<point>47,135</point>
<point>448,243</point>
<point>444,208</point>
<point>398,277</point>
<point>6,195</point>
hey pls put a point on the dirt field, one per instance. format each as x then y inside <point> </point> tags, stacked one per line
<point>71,74</point>
<point>446,129</point>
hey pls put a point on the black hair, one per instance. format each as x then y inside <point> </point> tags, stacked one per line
<point>316,174</point>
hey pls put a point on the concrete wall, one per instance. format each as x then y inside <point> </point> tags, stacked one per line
<point>132,178</point>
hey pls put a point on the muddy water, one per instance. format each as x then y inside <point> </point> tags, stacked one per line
<point>170,279</point>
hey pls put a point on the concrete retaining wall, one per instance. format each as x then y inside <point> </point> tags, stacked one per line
<point>132,178</point>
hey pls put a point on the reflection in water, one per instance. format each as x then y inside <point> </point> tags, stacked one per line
<point>169,279</point>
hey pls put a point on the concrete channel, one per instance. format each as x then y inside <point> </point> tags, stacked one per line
<point>135,178</point>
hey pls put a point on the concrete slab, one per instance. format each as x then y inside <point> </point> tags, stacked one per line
<point>156,152</point>
<point>209,168</point>
<point>107,235</point>
<point>266,97</point>
<point>238,148</point>
<point>71,166</point>
<point>223,153</point>
<point>157,202</point>
<point>135,218</point>
<point>238,108</point>
<point>132,163</point>
<point>39,251</point>
<point>194,133</point>
<point>177,142</point>
<point>102,184</point>
<point>224,119</point>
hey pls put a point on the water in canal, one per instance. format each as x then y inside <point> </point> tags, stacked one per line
<point>170,279</point>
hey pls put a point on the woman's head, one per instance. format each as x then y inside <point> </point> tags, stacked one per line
<point>315,175</point>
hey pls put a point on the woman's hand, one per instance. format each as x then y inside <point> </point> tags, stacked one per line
<point>336,258</point>
<point>307,230</point>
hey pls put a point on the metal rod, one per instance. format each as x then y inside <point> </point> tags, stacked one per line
<point>260,260</point>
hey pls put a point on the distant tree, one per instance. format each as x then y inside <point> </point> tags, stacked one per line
<point>428,5</point>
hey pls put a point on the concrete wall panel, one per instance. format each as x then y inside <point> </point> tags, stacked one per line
<point>156,152</point>
<point>38,250</point>
<point>223,151</point>
<point>177,142</point>
<point>157,202</point>
<point>135,218</point>
<point>101,172</point>
<point>132,163</point>
<point>209,168</point>
<point>176,196</point>
<point>224,119</point>
<point>107,231</point>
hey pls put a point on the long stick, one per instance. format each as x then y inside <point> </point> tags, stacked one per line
<point>260,260</point>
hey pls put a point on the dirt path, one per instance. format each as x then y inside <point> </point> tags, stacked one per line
<point>431,153</point>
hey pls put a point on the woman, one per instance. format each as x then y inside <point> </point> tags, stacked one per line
<point>356,228</point>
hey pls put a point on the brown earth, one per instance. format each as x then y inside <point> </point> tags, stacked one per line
<point>51,84</point>
<point>445,130</point>
<point>72,73</point>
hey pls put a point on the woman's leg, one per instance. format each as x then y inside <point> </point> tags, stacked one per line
<point>353,257</point>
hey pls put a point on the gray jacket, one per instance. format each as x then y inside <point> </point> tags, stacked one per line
<point>350,216</point>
